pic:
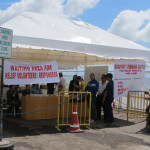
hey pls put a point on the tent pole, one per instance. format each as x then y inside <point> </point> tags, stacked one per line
<point>1,101</point>
<point>85,65</point>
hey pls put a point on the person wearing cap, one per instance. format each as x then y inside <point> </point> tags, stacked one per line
<point>36,89</point>
<point>108,99</point>
<point>99,98</point>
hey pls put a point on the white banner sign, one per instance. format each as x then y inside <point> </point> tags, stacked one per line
<point>16,73</point>
<point>128,76</point>
<point>5,42</point>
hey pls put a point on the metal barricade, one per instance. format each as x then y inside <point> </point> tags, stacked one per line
<point>66,101</point>
<point>136,104</point>
<point>118,104</point>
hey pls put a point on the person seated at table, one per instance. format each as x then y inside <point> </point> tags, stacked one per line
<point>60,87</point>
<point>36,89</point>
<point>27,90</point>
<point>13,100</point>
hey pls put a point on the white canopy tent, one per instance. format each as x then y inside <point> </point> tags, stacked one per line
<point>39,38</point>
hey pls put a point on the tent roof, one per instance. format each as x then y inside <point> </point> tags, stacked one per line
<point>39,37</point>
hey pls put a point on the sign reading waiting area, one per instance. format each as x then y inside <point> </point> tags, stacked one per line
<point>5,42</point>
<point>16,73</point>
<point>128,76</point>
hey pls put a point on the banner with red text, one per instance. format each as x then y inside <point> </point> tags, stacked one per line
<point>18,73</point>
<point>128,76</point>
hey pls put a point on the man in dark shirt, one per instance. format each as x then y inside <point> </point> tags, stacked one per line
<point>13,99</point>
<point>108,99</point>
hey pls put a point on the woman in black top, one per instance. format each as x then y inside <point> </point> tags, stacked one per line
<point>73,84</point>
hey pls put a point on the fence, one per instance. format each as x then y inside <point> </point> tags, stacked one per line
<point>118,104</point>
<point>67,100</point>
<point>136,104</point>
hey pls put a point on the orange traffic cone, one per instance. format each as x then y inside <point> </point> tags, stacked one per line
<point>74,126</point>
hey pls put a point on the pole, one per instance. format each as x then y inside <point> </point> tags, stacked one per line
<point>128,106</point>
<point>1,101</point>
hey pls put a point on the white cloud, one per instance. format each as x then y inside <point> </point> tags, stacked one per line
<point>132,25</point>
<point>63,8</point>
<point>76,7</point>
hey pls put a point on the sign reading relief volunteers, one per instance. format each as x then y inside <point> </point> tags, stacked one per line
<point>128,76</point>
<point>16,73</point>
<point>5,42</point>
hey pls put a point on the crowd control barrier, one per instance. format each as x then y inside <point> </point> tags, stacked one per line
<point>118,104</point>
<point>66,101</point>
<point>136,104</point>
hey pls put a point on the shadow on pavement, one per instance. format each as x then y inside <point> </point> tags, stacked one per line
<point>144,131</point>
<point>17,127</point>
<point>117,123</point>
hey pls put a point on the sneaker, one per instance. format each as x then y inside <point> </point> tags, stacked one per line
<point>93,121</point>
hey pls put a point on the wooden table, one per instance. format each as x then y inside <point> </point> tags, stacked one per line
<point>34,103</point>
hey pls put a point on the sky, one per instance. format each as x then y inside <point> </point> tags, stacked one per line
<point>129,19</point>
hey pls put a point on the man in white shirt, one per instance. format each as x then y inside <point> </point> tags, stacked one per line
<point>99,98</point>
<point>62,81</point>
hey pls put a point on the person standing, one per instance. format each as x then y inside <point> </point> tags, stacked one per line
<point>27,90</point>
<point>73,84</point>
<point>62,81</point>
<point>99,98</point>
<point>92,87</point>
<point>13,100</point>
<point>81,86</point>
<point>108,99</point>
